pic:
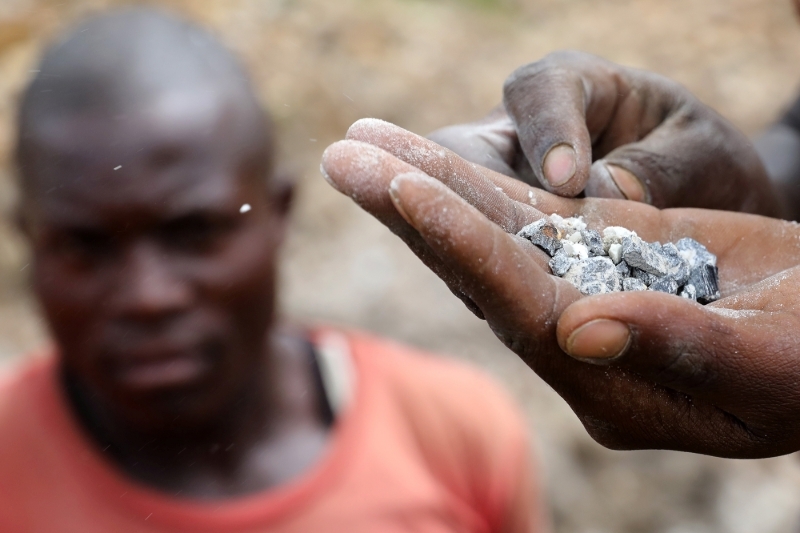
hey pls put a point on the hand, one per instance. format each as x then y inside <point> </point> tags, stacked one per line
<point>574,123</point>
<point>640,369</point>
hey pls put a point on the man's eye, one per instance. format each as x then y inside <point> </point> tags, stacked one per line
<point>87,245</point>
<point>195,233</point>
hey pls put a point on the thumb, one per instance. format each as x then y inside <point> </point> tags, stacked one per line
<point>732,358</point>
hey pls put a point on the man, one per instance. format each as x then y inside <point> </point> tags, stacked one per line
<point>173,400</point>
<point>640,369</point>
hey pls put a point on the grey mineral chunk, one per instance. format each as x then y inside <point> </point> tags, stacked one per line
<point>645,277</point>
<point>677,267</point>
<point>706,282</point>
<point>694,253</point>
<point>623,269</point>
<point>639,254</point>
<point>594,275</point>
<point>689,292</point>
<point>543,234</point>
<point>593,242</point>
<point>665,285</point>
<point>561,263</point>
<point>633,284</point>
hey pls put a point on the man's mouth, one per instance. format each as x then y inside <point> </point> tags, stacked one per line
<point>161,368</point>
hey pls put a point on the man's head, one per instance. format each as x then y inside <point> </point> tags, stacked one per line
<point>148,198</point>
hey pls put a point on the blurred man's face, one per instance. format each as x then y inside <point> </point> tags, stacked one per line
<point>156,281</point>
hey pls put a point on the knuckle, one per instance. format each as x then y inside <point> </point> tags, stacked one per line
<point>559,63</point>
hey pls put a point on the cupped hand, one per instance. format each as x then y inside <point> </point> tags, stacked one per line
<point>640,369</point>
<point>574,122</point>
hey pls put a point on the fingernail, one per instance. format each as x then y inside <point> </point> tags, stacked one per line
<point>559,165</point>
<point>629,184</point>
<point>394,194</point>
<point>599,339</point>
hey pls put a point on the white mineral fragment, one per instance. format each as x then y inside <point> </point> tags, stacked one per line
<point>575,249</point>
<point>568,225</point>
<point>615,235</point>
<point>615,252</point>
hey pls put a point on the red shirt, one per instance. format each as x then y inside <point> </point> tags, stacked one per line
<point>425,445</point>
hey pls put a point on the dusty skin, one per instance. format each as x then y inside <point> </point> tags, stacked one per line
<point>648,370</point>
<point>574,122</point>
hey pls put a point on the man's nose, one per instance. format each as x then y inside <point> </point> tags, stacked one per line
<point>148,286</point>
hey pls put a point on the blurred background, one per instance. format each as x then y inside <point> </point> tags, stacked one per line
<point>320,65</point>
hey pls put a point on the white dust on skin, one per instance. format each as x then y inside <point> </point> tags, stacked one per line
<point>460,175</point>
<point>734,313</point>
<point>361,172</point>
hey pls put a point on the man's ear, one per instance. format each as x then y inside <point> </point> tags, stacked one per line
<point>20,221</point>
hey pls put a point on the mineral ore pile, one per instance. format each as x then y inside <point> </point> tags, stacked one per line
<point>620,260</point>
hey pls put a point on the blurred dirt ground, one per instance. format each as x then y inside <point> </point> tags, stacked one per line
<point>321,64</point>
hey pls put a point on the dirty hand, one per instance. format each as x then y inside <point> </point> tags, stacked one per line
<point>574,122</point>
<point>640,369</point>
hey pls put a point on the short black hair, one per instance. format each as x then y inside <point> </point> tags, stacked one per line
<point>113,63</point>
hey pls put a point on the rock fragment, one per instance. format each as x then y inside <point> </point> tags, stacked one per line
<point>575,249</point>
<point>689,292</point>
<point>623,269</point>
<point>568,225</point>
<point>594,275</point>
<point>561,263</point>
<point>543,234</point>
<point>677,267</point>
<point>633,284</point>
<point>694,253</point>
<point>615,235</point>
<point>665,285</point>
<point>639,254</point>
<point>645,277</point>
<point>706,283</point>
<point>615,252</point>
<point>593,241</point>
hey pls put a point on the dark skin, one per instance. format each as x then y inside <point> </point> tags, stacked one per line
<point>576,124</point>
<point>160,293</point>
<point>640,369</point>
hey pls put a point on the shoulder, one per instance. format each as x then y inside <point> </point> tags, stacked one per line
<point>449,402</point>
<point>432,377</point>
<point>19,383</point>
